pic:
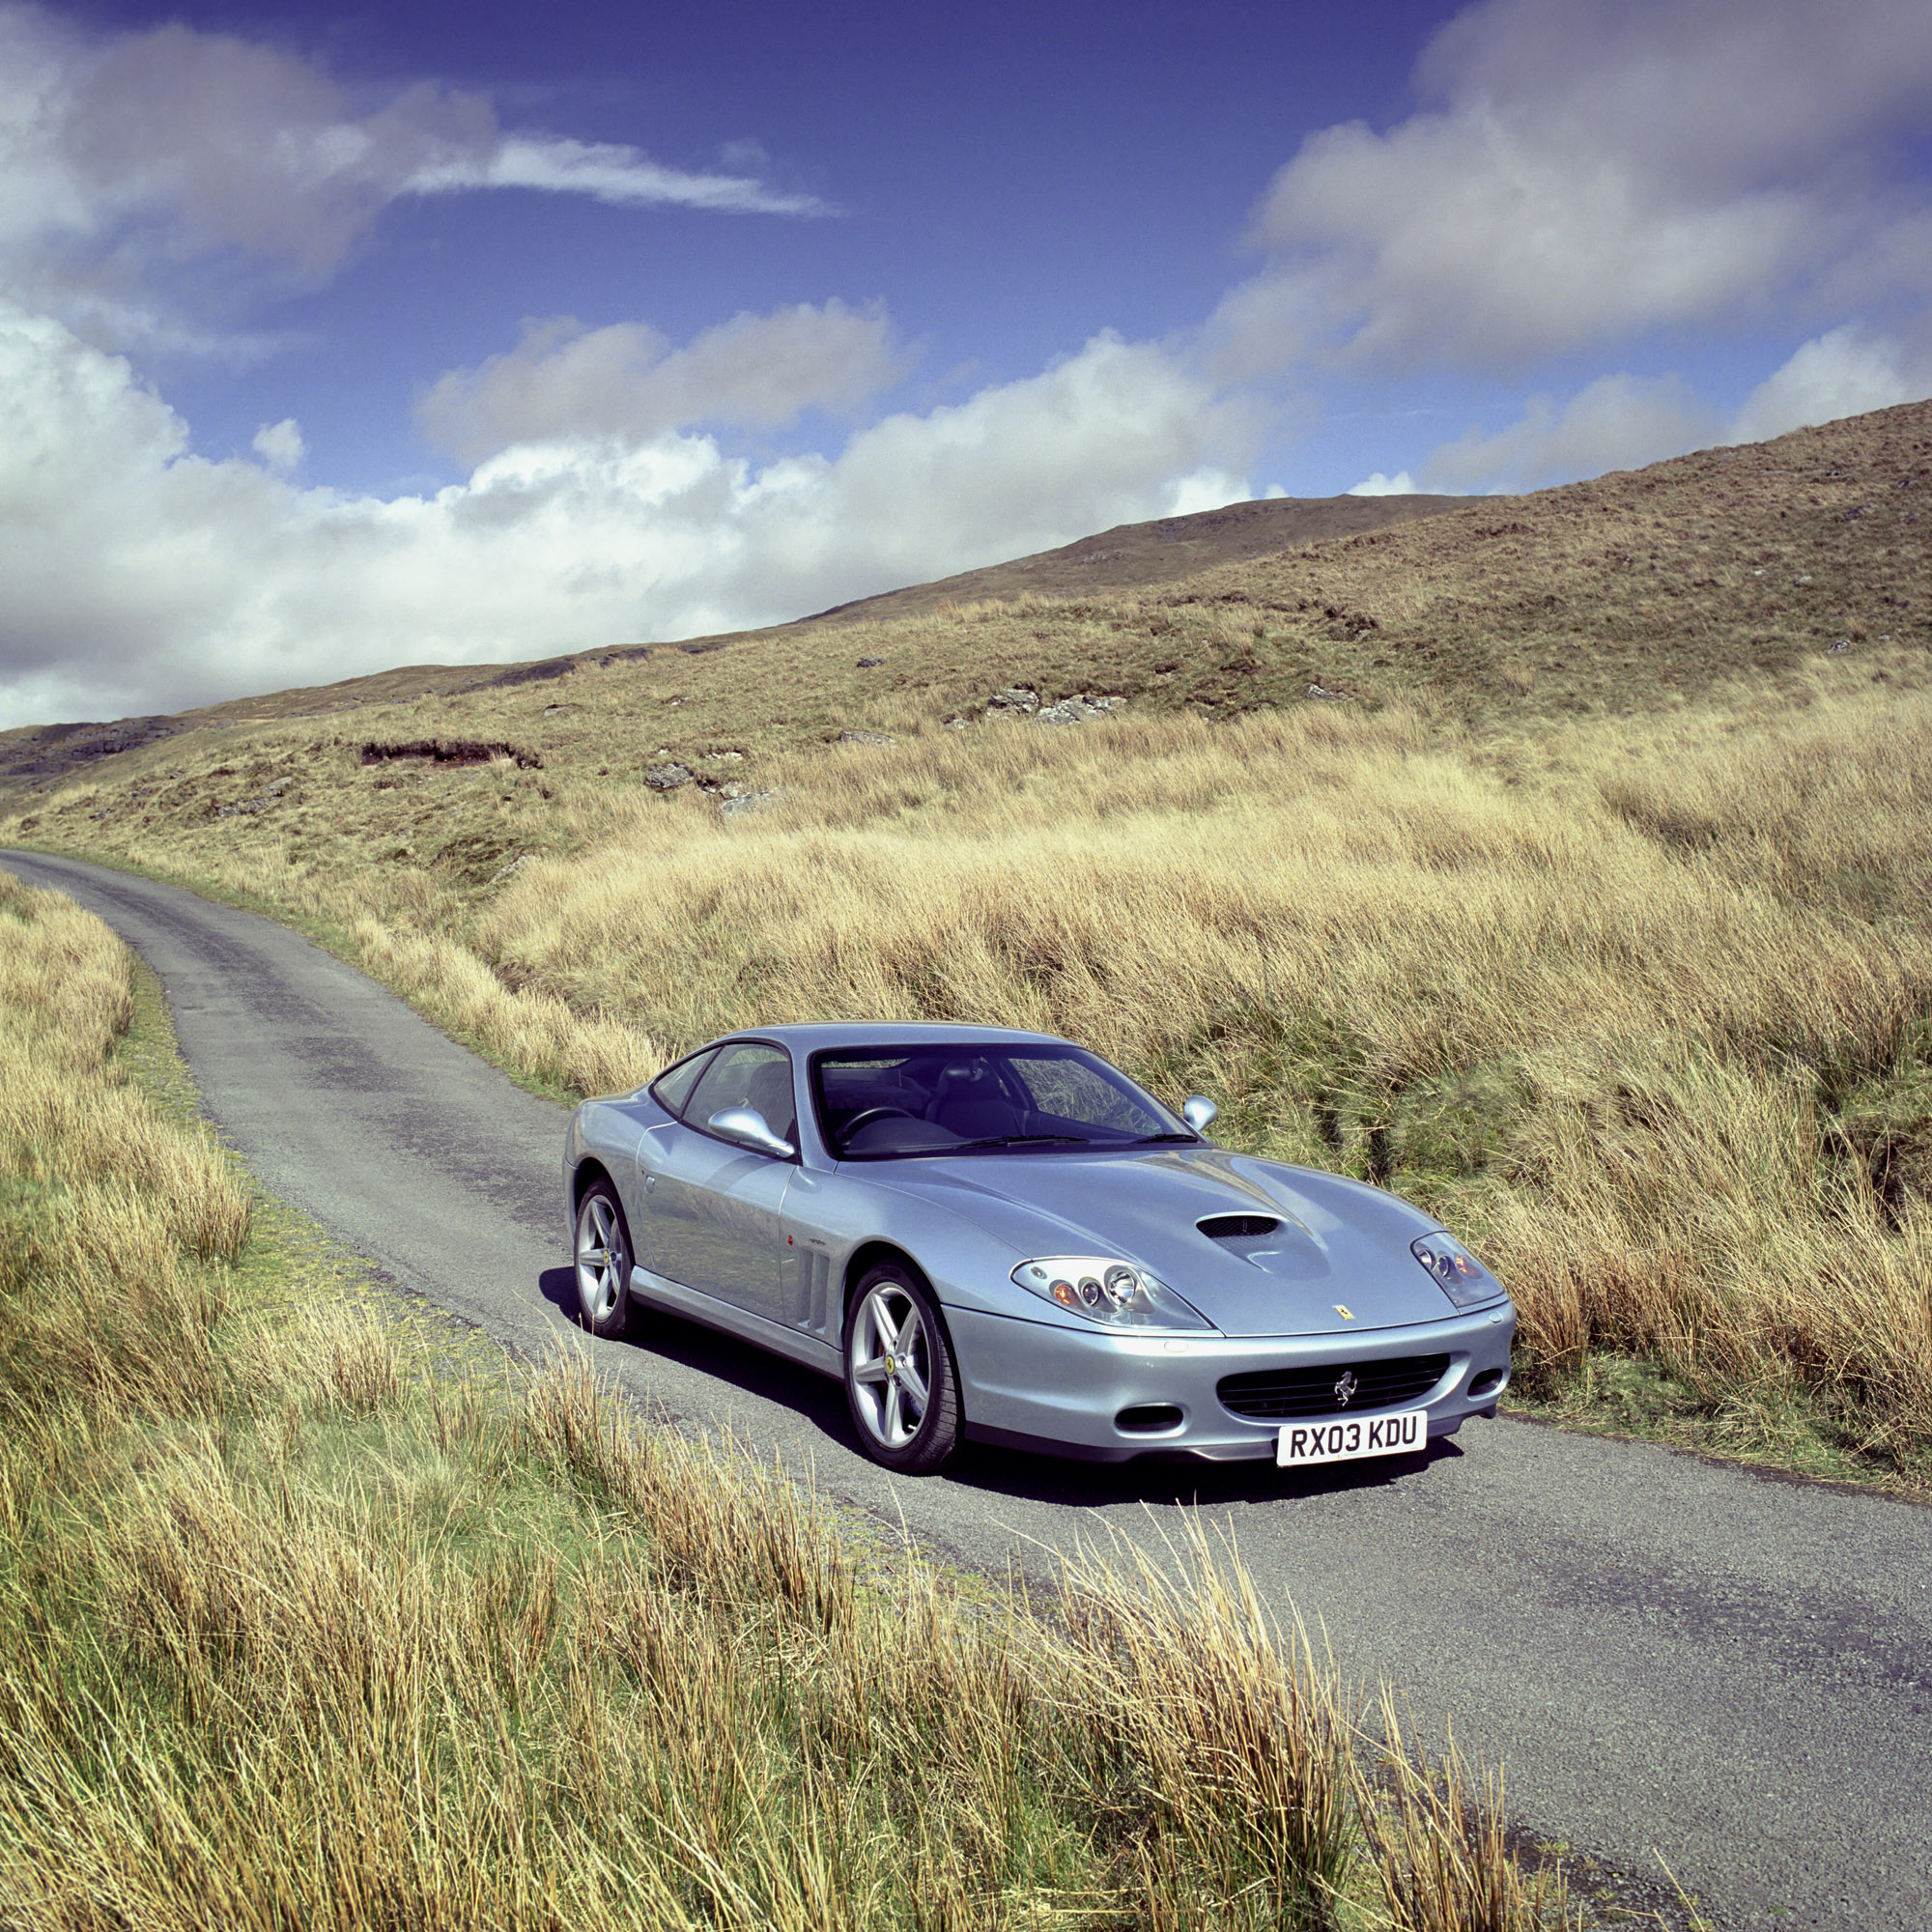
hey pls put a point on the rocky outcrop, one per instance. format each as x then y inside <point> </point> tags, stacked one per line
<point>1078,710</point>
<point>1020,701</point>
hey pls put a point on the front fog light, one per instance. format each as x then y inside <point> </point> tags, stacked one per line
<point>1458,1273</point>
<point>1112,1293</point>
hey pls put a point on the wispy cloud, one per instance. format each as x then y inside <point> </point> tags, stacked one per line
<point>1617,423</point>
<point>623,176</point>
<point>124,161</point>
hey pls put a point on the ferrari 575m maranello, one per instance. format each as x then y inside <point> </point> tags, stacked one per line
<point>998,1236</point>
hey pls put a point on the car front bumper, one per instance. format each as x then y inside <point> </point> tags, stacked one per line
<point>1034,1384</point>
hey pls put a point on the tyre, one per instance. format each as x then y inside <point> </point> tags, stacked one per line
<point>603,1261</point>
<point>901,1382</point>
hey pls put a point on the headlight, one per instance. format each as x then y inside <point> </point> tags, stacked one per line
<point>1113,1293</point>
<point>1458,1273</point>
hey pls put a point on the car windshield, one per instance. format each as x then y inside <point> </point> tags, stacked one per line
<point>893,1102</point>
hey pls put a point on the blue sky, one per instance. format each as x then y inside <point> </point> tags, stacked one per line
<point>331,340</point>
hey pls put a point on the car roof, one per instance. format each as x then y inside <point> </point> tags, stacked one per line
<point>817,1036</point>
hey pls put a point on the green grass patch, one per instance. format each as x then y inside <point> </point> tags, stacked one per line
<point>1783,1425</point>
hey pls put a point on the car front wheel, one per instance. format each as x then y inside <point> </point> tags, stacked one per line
<point>603,1261</point>
<point>900,1376</point>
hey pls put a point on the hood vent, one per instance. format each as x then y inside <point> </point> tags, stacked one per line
<point>1237,1228</point>
<point>1281,1248</point>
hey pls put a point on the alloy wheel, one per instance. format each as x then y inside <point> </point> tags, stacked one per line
<point>892,1365</point>
<point>603,1260</point>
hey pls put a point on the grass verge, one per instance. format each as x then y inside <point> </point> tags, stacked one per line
<point>307,1619</point>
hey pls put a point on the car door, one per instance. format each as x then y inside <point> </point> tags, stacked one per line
<point>714,1210</point>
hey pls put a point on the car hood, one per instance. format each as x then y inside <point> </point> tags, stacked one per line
<point>1338,1262</point>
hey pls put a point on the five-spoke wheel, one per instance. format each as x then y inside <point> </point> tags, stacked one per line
<point>603,1261</point>
<point>899,1376</point>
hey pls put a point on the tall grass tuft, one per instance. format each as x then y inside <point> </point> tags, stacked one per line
<point>1437,1836</point>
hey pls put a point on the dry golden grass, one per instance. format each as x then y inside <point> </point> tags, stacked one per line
<point>303,1624</point>
<point>1644,1006</point>
<point>105,1205</point>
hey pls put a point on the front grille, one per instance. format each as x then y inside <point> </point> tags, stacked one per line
<point>1274,1395</point>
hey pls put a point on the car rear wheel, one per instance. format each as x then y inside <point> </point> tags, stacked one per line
<point>899,1376</point>
<point>603,1261</point>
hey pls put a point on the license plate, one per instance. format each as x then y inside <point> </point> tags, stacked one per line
<point>1349,1438</point>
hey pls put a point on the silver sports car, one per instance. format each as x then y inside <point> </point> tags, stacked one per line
<point>997,1235</point>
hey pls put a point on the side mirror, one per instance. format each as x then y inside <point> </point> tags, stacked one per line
<point>746,1126</point>
<point>1197,1110</point>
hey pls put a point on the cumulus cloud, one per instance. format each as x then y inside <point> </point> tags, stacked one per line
<point>280,446</point>
<point>1210,489</point>
<point>1842,373</point>
<point>1617,423</point>
<point>1582,171</point>
<point>146,576</point>
<point>1401,484</point>
<point>122,157</point>
<point>1623,422</point>
<point>627,381</point>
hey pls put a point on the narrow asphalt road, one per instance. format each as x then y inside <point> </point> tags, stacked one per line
<point>1665,1653</point>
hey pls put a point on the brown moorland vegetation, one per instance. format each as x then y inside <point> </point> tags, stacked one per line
<point>1589,907</point>
<point>305,1620</point>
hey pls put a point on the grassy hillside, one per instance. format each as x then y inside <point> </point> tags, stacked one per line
<point>1557,861</point>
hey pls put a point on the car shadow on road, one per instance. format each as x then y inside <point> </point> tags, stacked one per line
<point>742,1365</point>
<point>1178,1480</point>
<point>1035,1478</point>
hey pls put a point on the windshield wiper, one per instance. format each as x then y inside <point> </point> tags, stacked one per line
<point>1017,1139</point>
<point>1148,1140</point>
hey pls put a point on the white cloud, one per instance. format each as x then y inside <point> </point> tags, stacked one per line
<point>143,577</point>
<point>280,446</point>
<point>1582,171</point>
<point>606,172</point>
<point>1843,373</point>
<point>1623,422</point>
<point>122,160</point>
<point>1401,484</point>
<point>1617,423</point>
<point>625,381</point>
<point>1208,489</point>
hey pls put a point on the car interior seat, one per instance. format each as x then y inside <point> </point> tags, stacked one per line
<point>768,1088</point>
<point>967,1101</point>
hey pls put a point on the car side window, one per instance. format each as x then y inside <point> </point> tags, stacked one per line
<point>748,1074</point>
<point>671,1088</point>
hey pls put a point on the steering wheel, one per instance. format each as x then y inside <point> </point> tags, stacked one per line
<point>867,1116</point>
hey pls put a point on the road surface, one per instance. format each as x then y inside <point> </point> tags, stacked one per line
<point>1665,1652</point>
